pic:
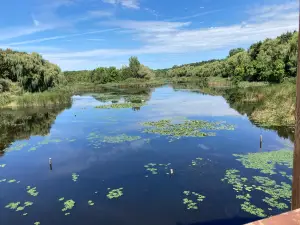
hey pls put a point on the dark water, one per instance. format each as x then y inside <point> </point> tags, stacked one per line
<point>156,199</point>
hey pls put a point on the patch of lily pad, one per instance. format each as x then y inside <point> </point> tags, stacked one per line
<point>266,161</point>
<point>97,139</point>
<point>155,168</point>
<point>115,193</point>
<point>75,177</point>
<point>196,161</point>
<point>277,195</point>
<point>125,105</point>
<point>17,206</point>
<point>68,205</point>
<point>32,191</point>
<point>189,202</point>
<point>187,128</point>
<point>91,203</point>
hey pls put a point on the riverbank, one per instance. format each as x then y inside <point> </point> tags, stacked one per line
<point>264,103</point>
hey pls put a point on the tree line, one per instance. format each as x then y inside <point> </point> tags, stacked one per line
<point>271,60</point>
<point>103,75</point>
<point>29,72</point>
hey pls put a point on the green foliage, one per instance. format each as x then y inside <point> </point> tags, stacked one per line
<point>31,71</point>
<point>271,60</point>
<point>234,51</point>
<point>115,193</point>
<point>134,67</point>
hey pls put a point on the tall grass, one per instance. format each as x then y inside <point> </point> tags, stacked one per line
<point>44,99</point>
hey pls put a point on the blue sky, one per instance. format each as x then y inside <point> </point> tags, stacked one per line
<point>85,34</point>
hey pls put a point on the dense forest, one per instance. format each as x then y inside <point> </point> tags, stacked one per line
<point>271,60</point>
<point>103,75</point>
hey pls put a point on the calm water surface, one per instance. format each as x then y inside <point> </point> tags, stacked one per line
<point>152,200</point>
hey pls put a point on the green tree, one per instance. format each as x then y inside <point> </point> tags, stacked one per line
<point>134,66</point>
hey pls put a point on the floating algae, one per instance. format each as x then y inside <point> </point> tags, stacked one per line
<point>115,193</point>
<point>2,165</point>
<point>187,128</point>
<point>155,168</point>
<point>37,223</point>
<point>61,199</point>
<point>189,202</point>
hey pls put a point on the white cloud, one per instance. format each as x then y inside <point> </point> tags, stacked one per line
<point>132,4</point>
<point>174,37</point>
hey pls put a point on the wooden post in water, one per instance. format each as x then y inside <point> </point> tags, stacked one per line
<point>296,163</point>
<point>260,141</point>
<point>50,163</point>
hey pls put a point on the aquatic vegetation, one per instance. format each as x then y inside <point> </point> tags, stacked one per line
<point>91,203</point>
<point>284,174</point>
<point>154,168</point>
<point>37,223</point>
<point>120,138</point>
<point>61,199</point>
<point>75,177</point>
<point>121,105</point>
<point>196,161</point>
<point>2,165</point>
<point>47,141</point>
<point>28,203</point>
<point>16,147</point>
<point>11,181</point>
<point>13,205</point>
<point>68,205</point>
<point>187,128</point>
<point>20,208</point>
<point>2,180</point>
<point>32,191</point>
<point>97,139</point>
<point>25,214</point>
<point>276,192</point>
<point>17,207</point>
<point>66,214</point>
<point>190,203</point>
<point>115,193</point>
<point>252,209</point>
<point>266,161</point>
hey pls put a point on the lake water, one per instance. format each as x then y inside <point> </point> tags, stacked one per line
<point>64,135</point>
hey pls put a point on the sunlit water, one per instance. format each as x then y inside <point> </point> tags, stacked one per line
<point>148,199</point>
